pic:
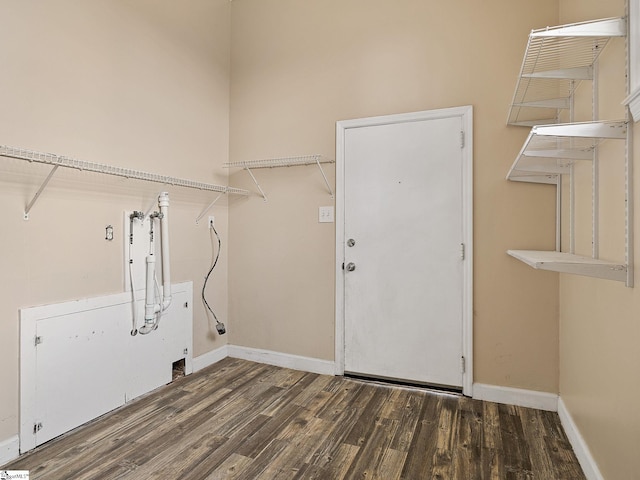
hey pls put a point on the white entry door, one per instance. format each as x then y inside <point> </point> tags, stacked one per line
<point>404,244</point>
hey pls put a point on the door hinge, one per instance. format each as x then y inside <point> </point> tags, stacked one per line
<point>463,365</point>
<point>37,427</point>
<point>37,341</point>
<point>462,251</point>
<point>461,138</point>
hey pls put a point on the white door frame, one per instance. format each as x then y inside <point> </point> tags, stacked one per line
<point>466,115</point>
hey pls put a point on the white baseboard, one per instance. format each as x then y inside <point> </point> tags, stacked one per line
<point>516,396</point>
<point>9,449</point>
<point>580,448</point>
<point>296,362</point>
<point>209,358</point>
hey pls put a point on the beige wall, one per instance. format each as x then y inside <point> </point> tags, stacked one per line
<point>297,68</point>
<point>599,327</point>
<point>142,84</point>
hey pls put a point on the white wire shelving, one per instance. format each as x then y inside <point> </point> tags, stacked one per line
<point>57,161</point>
<point>283,162</point>
<point>556,61</point>
<point>550,150</point>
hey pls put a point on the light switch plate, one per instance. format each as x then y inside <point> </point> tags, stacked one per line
<point>325,214</point>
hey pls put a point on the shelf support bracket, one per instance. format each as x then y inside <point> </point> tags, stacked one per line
<point>39,192</point>
<point>264,196</point>
<point>629,254</point>
<point>202,214</point>
<point>325,177</point>
<point>572,211</point>
<point>558,213</point>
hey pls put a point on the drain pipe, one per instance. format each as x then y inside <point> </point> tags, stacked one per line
<point>153,308</point>
<point>150,294</point>
<point>163,202</point>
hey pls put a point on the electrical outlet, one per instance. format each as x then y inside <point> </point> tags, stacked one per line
<point>212,221</point>
<point>325,214</point>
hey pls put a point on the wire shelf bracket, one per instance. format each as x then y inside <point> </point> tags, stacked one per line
<point>208,207</point>
<point>61,161</point>
<point>283,162</point>
<point>39,192</point>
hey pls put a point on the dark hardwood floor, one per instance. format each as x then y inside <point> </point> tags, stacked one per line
<point>243,420</point>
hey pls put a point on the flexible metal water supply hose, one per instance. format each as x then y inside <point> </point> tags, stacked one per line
<point>134,307</point>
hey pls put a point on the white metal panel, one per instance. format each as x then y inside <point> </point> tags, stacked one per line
<point>150,356</point>
<point>80,366</point>
<point>87,363</point>
<point>403,304</point>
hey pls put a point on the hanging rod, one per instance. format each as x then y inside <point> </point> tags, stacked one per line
<point>61,161</point>
<point>283,162</point>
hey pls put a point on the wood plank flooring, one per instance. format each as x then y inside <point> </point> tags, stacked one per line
<point>242,420</point>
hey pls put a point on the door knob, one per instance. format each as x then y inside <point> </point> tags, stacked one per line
<point>351,242</point>
<point>351,267</point>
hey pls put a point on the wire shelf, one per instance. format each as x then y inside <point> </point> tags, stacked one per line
<point>280,162</point>
<point>556,61</point>
<point>61,161</point>
<point>550,149</point>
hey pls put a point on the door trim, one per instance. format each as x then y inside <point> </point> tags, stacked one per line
<point>466,115</point>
